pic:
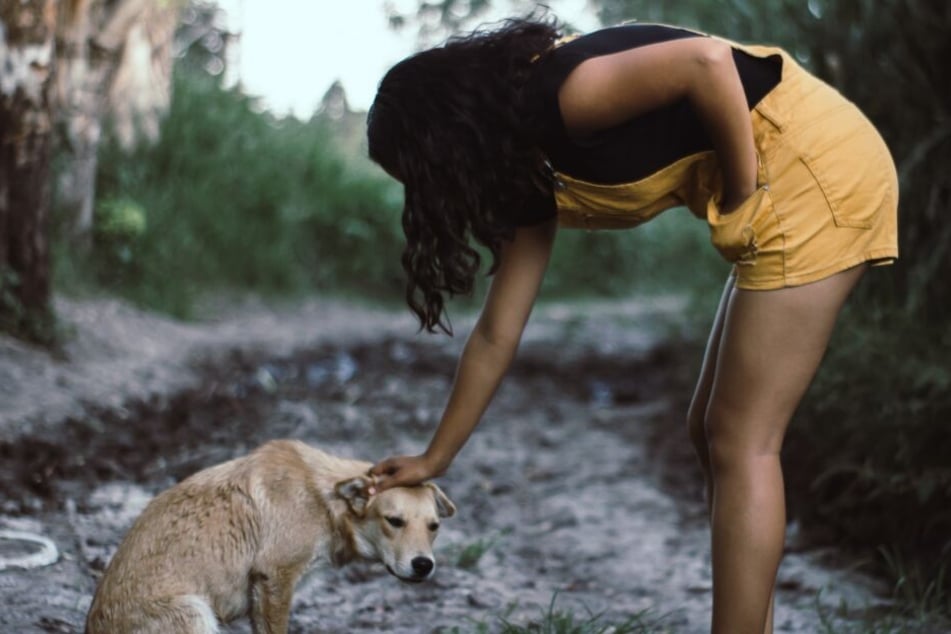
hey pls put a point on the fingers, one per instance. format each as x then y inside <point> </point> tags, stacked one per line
<point>382,468</point>
<point>387,468</point>
<point>382,475</point>
<point>398,471</point>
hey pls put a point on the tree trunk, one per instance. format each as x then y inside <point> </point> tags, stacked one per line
<point>79,97</point>
<point>27,30</point>
<point>114,60</point>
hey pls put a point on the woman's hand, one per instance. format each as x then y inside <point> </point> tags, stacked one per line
<point>401,471</point>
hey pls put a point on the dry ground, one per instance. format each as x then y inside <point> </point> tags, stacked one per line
<point>576,486</point>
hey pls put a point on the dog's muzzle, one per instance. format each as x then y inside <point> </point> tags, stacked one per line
<point>422,569</point>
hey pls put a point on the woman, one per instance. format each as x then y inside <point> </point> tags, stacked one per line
<point>501,136</point>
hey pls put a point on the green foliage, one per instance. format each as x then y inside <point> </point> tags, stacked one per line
<point>556,621</point>
<point>233,198</point>
<point>120,223</point>
<point>762,20</point>
<point>11,308</point>
<point>120,219</point>
<point>239,199</point>
<point>670,252</point>
<point>467,556</point>
<point>34,325</point>
<point>868,453</point>
<point>846,619</point>
<point>923,590</point>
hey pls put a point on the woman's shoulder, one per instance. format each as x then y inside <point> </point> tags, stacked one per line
<point>613,39</point>
<point>571,51</point>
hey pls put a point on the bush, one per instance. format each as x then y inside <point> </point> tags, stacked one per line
<point>670,253</point>
<point>239,199</point>
<point>868,453</point>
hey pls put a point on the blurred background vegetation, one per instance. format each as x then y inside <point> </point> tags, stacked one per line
<point>234,197</point>
<point>229,197</point>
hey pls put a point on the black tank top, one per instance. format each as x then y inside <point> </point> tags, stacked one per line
<point>635,148</point>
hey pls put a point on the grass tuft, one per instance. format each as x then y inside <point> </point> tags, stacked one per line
<point>556,621</point>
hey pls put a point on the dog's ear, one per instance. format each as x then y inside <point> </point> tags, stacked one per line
<point>444,506</point>
<point>356,493</point>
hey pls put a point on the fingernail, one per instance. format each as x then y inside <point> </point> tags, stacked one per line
<point>371,491</point>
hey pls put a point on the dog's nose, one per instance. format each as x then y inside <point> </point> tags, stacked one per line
<point>422,566</point>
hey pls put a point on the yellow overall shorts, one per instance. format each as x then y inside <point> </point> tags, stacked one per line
<point>827,196</point>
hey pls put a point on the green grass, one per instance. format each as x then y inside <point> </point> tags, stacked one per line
<point>845,619</point>
<point>556,621</point>
<point>842,619</point>
<point>922,591</point>
<point>867,458</point>
<point>468,555</point>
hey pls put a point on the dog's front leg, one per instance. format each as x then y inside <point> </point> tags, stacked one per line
<point>271,597</point>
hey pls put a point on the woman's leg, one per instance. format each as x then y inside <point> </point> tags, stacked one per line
<point>697,412</point>
<point>769,350</point>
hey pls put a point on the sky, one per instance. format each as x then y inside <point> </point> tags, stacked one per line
<point>291,51</point>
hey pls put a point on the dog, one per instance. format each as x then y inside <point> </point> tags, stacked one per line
<point>234,539</point>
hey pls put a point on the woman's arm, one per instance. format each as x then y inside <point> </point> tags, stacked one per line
<point>486,357</point>
<point>607,90</point>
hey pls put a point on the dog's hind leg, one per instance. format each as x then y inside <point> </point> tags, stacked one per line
<point>197,616</point>
<point>271,597</point>
<point>188,614</point>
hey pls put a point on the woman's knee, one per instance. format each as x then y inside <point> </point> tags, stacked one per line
<point>737,437</point>
<point>696,427</point>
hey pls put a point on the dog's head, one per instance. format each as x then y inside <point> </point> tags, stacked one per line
<point>397,526</point>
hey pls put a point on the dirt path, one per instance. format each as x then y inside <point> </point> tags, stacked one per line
<point>574,487</point>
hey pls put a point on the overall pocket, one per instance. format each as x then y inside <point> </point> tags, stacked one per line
<point>734,234</point>
<point>851,165</point>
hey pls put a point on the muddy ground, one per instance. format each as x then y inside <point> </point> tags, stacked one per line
<point>577,486</point>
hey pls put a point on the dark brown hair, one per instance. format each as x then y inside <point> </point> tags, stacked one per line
<point>455,125</point>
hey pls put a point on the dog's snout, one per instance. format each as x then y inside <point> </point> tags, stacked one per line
<point>422,566</point>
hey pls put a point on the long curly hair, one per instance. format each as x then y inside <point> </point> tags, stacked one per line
<point>456,126</point>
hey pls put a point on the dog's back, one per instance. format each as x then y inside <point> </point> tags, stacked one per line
<point>191,558</point>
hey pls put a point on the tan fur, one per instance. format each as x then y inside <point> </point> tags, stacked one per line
<point>234,540</point>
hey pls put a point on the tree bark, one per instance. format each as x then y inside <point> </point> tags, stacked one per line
<point>114,60</point>
<point>27,29</point>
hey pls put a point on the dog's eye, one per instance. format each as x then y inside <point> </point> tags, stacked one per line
<point>396,522</point>
<point>434,526</point>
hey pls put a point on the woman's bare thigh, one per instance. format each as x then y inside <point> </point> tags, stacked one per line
<point>770,348</point>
